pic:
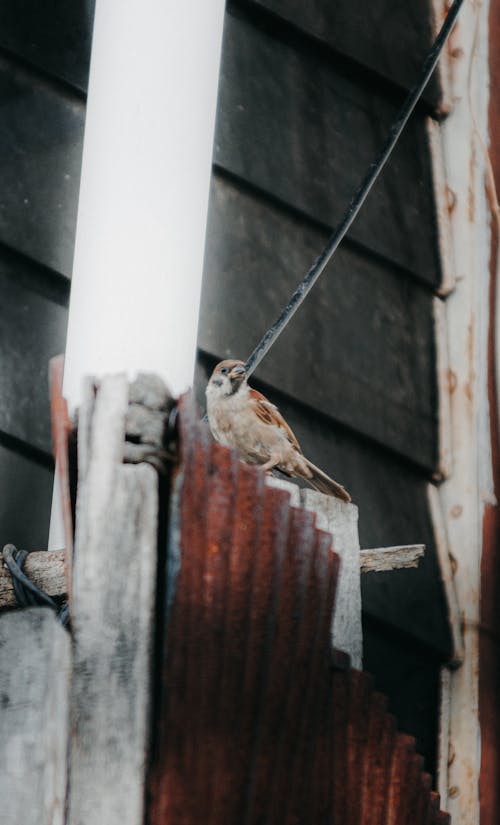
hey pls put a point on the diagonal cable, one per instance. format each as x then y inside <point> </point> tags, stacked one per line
<point>359,197</point>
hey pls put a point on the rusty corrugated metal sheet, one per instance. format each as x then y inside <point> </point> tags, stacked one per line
<point>258,721</point>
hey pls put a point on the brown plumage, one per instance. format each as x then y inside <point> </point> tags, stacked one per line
<point>243,418</point>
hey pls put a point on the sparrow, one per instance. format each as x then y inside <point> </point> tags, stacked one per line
<point>242,418</point>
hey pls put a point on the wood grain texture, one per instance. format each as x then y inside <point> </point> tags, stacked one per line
<point>389,38</point>
<point>113,605</point>
<point>45,569</point>
<point>363,338</point>
<point>290,125</point>
<point>34,685</point>
<point>384,559</point>
<point>341,521</point>
<point>40,158</point>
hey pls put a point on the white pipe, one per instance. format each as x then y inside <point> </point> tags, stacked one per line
<point>144,190</point>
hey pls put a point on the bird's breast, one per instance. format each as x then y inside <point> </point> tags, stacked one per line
<point>234,423</point>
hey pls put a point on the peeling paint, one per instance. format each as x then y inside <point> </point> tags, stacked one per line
<point>462,494</point>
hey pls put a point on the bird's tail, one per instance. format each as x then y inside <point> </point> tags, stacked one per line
<point>324,484</point>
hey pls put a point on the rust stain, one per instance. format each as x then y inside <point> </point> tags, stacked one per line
<point>471,375</point>
<point>451,199</point>
<point>452,381</point>
<point>61,429</point>
<point>453,563</point>
<point>471,197</point>
<point>258,720</point>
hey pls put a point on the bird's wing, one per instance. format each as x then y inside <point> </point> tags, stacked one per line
<point>269,414</point>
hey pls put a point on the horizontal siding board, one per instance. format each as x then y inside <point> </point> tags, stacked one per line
<point>40,158</point>
<point>25,500</point>
<point>364,336</point>
<point>391,497</point>
<point>390,37</point>
<point>32,330</point>
<point>54,36</point>
<point>289,125</point>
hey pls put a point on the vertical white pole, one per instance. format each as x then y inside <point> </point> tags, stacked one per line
<point>144,190</point>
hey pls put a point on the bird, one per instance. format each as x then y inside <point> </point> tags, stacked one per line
<point>242,418</point>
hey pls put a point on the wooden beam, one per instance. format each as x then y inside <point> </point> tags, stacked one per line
<point>45,569</point>
<point>112,617</point>
<point>34,687</point>
<point>341,520</point>
<point>381,559</point>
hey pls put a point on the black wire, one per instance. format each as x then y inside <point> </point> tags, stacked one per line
<point>359,198</point>
<point>28,594</point>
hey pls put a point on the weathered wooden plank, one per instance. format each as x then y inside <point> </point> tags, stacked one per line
<point>34,684</point>
<point>45,569</point>
<point>113,606</point>
<point>383,559</point>
<point>390,38</point>
<point>392,499</point>
<point>40,157</point>
<point>32,330</point>
<point>291,126</point>
<point>364,336</point>
<point>281,484</point>
<point>341,520</point>
<point>57,41</point>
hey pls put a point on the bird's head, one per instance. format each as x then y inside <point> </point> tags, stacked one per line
<point>227,378</point>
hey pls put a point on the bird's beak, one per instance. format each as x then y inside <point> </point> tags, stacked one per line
<point>237,371</point>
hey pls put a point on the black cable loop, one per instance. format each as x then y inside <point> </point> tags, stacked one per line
<point>26,592</point>
<point>359,197</point>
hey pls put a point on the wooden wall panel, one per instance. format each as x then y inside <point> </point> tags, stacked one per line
<point>409,674</point>
<point>390,37</point>
<point>40,158</point>
<point>363,338</point>
<point>32,330</point>
<point>54,36</point>
<point>291,126</point>
<point>25,500</point>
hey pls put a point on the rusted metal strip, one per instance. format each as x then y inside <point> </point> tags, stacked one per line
<point>300,552</point>
<point>61,430</point>
<point>381,736</point>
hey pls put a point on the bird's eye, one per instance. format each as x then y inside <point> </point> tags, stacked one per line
<point>224,370</point>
